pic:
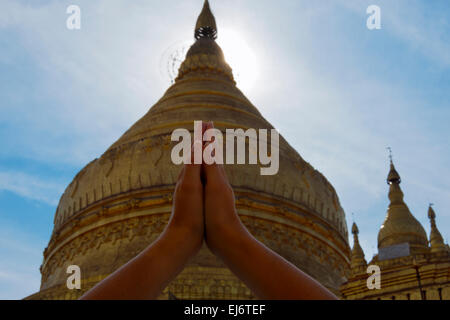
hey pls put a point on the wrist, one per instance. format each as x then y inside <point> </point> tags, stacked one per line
<point>225,235</point>
<point>183,238</point>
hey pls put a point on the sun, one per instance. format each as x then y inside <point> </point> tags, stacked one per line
<point>241,58</point>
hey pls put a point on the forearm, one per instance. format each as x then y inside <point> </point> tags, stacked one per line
<point>145,276</point>
<point>266,273</point>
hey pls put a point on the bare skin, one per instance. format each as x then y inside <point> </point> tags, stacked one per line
<point>204,209</point>
<point>146,276</point>
<point>267,274</point>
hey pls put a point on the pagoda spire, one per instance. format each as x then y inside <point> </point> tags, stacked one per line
<point>205,57</point>
<point>436,240</point>
<point>393,176</point>
<point>358,259</point>
<point>400,226</point>
<point>206,24</point>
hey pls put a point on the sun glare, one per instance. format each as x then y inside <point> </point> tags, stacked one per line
<point>240,57</point>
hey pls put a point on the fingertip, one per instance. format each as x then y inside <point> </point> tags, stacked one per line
<point>204,127</point>
<point>196,143</point>
<point>209,125</point>
<point>197,152</point>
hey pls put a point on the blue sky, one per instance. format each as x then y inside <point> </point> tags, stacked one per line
<point>339,93</point>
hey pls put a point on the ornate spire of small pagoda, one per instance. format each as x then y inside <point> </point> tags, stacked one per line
<point>393,176</point>
<point>206,24</point>
<point>358,259</point>
<point>400,226</point>
<point>205,58</point>
<point>436,240</point>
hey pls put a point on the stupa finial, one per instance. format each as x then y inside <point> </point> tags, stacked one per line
<point>436,239</point>
<point>206,24</point>
<point>390,154</point>
<point>393,177</point>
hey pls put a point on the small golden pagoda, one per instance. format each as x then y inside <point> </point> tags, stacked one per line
<point>411,267</point>
<point>118,204</point>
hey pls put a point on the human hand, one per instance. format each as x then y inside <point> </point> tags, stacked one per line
<point>147,274</point>
<point>221,218</point>
<point>248,258</point>
<point>187,209</point>
<point>204,198</point>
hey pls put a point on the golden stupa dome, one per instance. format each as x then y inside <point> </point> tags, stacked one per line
<point>118,204</point>
<point>400,226</point>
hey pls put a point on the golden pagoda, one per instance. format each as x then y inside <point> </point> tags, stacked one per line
<point>411,267</point>
<point>118,204</point>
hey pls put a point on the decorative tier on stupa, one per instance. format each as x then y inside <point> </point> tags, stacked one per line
<point>118,204</point>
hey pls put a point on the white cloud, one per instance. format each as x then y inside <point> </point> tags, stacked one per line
<point>101,79</point>
<point>341,118</point>
<point>31,187</point>
<point>421,26</point>
<point>104,74</point>
<point>20,258</point>
<point>16,285</point>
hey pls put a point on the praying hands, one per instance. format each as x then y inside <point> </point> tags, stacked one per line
<point>204,210</point>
